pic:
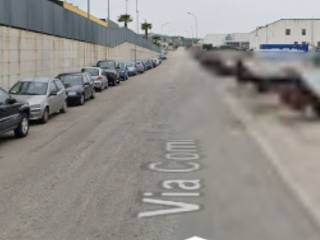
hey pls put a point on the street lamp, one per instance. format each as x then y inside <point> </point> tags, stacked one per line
<point>195,21</point>
<point>163,25</point>
<point>138,27</point>
<point>108,12</point>
<point>88,2</point>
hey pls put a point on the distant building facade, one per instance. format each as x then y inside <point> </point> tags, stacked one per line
<point>283,31</point>
<point>234,40</point>
<point>288,31</point>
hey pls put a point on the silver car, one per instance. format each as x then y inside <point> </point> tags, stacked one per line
<point>45,96</point>
<point>98,76</point>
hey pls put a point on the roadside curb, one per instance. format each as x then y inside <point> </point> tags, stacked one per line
<point>244,116</point>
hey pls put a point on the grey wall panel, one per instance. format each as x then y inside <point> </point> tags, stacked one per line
<point>34,9</point>
<point>19,13</point>
<point>5,12</point>
<point>50,18</point>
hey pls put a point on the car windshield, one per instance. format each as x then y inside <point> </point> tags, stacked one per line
<point>71,80</point>
<point>122,66</point>
<point>106,65</point>
<point>93,72</point>
<point>30,88</point>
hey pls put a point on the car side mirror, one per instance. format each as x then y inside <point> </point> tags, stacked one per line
<point>11,100</point>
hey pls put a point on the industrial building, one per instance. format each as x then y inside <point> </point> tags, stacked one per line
<point>287,31</point>
<point>235,40</point>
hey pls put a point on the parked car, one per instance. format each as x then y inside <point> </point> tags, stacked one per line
<point>79,87</point>
<point>148,64</point>
<point>163,56</point>
<point>14,115</point>
<point>268,70</point>
<point>46,96</point>
<point>140,67</point>
<point>222,62</point>
<point>123,71</point>
<point>304,93</point>
<point>99,77</point>
<point>110,67</point>
<point>155,62</point>
<point>132,69</point>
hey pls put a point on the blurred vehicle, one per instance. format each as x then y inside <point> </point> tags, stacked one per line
<point>268,70</point>
<point>99,77</point>
<point>148,64</point>
<point>46,96</point>
<point>132,69</point>
<point>110,67</point>
<point>140,67</point>
<point>14,115</point>
<point>222,62</point>
<point>163,56</point>
<point>79,87</point>
<point>155,62</point>
<point>123,71</point>
<point>304,93</point>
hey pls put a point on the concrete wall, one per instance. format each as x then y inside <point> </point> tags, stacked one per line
<point>28,54</point>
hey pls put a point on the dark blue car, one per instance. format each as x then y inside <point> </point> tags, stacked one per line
<point>123,72</point>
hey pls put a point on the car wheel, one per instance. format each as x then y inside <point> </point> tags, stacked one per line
<point>93,95</point>
<point>23,129</point>
<point>45,116</point>
<point>82,100</point>
<point>64,108</point>
<point>261,87</point>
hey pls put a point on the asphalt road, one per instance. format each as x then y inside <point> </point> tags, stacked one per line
<point>95,172</point>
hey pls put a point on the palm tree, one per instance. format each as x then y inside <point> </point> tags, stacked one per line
<point>126,18</point>
<point>146,27</point>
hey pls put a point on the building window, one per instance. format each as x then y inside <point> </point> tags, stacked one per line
<point>288,32</point>
<point>304,32</point>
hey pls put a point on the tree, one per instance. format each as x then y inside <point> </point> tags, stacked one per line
<point>146,27</point>
<point>156,40</point>
<point>125,18</point>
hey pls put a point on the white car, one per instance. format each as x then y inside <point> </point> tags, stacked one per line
<point>99,77</point>
<point>45,96</point>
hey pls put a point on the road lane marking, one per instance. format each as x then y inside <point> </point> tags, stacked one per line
<point>195,238</point>
<point>184,154</point>
<point>177,207</point>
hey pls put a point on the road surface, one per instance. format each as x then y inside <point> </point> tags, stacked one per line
<point>159,158</point>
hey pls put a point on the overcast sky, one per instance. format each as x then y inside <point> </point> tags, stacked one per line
<point>215,16</point>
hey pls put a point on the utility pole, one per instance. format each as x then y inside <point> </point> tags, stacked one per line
<point>109,12</point>
<point>196,23</point>
<point>138,28</point>
<point>88,1</point>
<point>126,6</point>
<point>164,25</point>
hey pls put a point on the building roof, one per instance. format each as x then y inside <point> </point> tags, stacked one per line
<point>287,19</point>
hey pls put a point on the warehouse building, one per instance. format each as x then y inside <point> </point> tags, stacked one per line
<point>286,31</point>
